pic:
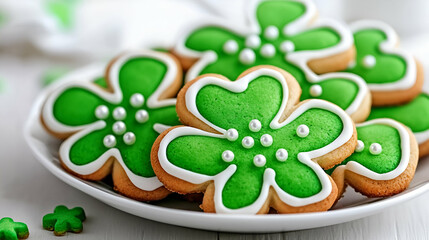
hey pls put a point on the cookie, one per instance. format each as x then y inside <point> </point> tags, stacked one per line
<point>10,230</point>
<point>384,161</point>
<point>109,125</point>
<point>414,115</point>
<point>393,75</point>
<point>250,145</point>
<point>64,220</point>
<point>281,33</point>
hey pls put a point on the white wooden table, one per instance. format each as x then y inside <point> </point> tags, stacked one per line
<point>28,191</point>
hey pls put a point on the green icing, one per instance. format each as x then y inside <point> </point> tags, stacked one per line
<point>202,154</point>
<point>388,68</point>
<point>63,11</point>
<point>414,114</point>
<point>64,219</point>
<point>10,230</point>
<point>76,106</point>
<point>389,139</point>
<point>274,13</point>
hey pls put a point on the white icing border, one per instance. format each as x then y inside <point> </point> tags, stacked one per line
<point>300,59</point>
<point>269,175</point>
<point>358,168</point>
<point>83,79</point>
<point>390,46</point>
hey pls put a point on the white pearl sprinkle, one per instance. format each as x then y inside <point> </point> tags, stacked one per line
<point>315,90</point>
<point>259,160</point>
<point>231,134</point>
<point>247,56</point>
<point>247,142</point>
<point>302,130</point>
<point>101,112</point>
<point>282,154</point>
<point>375,149</point>
<point>287,46</point>
<point>119,127</point>
<point>268,50</point>
<point>137,100</point>
<point>253,41</point>
<point>271,32</point>
<point>255,125</point>
<point>129,138</point>
<point>359,146</point>
<point>119,113</point>
<point>230,47</point>
<point>109,141</point>
<point>266,140</point>
<point>142,116</point>
<point>227,156</point>
<point>368,61</point>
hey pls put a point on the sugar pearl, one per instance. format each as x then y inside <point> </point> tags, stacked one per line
<point>271,32</point>
<point>315,90</point>
<point>129,138</point>
<point>231,134</point>
<point>253,41</point>
<point>109,141</point>
<point>287,46</point>
<point>230,47</point>
<point>302,130</point>
<point>119,127</point>
<point>102,112</point>
<point>375,149</point>
<point>137,100</point>
<point>247,56</point>
<point>259,160</point>
<point>227,156</point>
<point>119,113</point>
<point>359,146</point>
<point>369,61</point>
<point>266,140</point>
<point>268,50</point>
<point>255,125</point>
<point>142,116</point>
<point>282,154</point>
<point>247,142</point>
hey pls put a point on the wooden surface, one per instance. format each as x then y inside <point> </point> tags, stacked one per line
<point>28,191</point>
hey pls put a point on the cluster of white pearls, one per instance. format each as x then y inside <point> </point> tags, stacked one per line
<point>119,114</point>
<point>247,55</point>
<point>374,148</point>
<point>248,142</point>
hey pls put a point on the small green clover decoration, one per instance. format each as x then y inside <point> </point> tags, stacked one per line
<point>10,230</point>
<point>254,148</point>
<point>64,220</point>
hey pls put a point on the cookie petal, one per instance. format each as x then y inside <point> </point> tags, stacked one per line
<point>243,187</point>
<point>211,38</point>
<point>279,13</point>
<point>226,109</point>
<point>199,154</point>
<point>316,39</point>
<point>76,106</point>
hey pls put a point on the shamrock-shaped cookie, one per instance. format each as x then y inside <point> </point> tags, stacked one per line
<point>10,230</point>
<point>414,115</point>
<point>112,128</point>
<point>392,74</point>
<point>249,146</point>
<point>281,33</point>
<point>64,219</point>
<point>384,160</point>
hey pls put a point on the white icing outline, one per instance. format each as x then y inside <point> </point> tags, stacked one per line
<point>83,79</point>
<point>358,168</point>
<point>300,58</point>
<point>390,46</point>
<point>220,179</point>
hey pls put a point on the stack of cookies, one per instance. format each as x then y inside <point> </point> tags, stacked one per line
<point>279,116</point>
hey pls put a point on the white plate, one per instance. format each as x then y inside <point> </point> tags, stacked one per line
<point>179,212</point>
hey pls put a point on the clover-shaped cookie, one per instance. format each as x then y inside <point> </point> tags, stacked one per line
<point>414,115</point>
<point>281,33</point>
<point>10,230</point>
<point>112,128</point>
<point>384,161</point>
<point>64,220</point>
<point>249,147</point>
<point>392,74</point>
